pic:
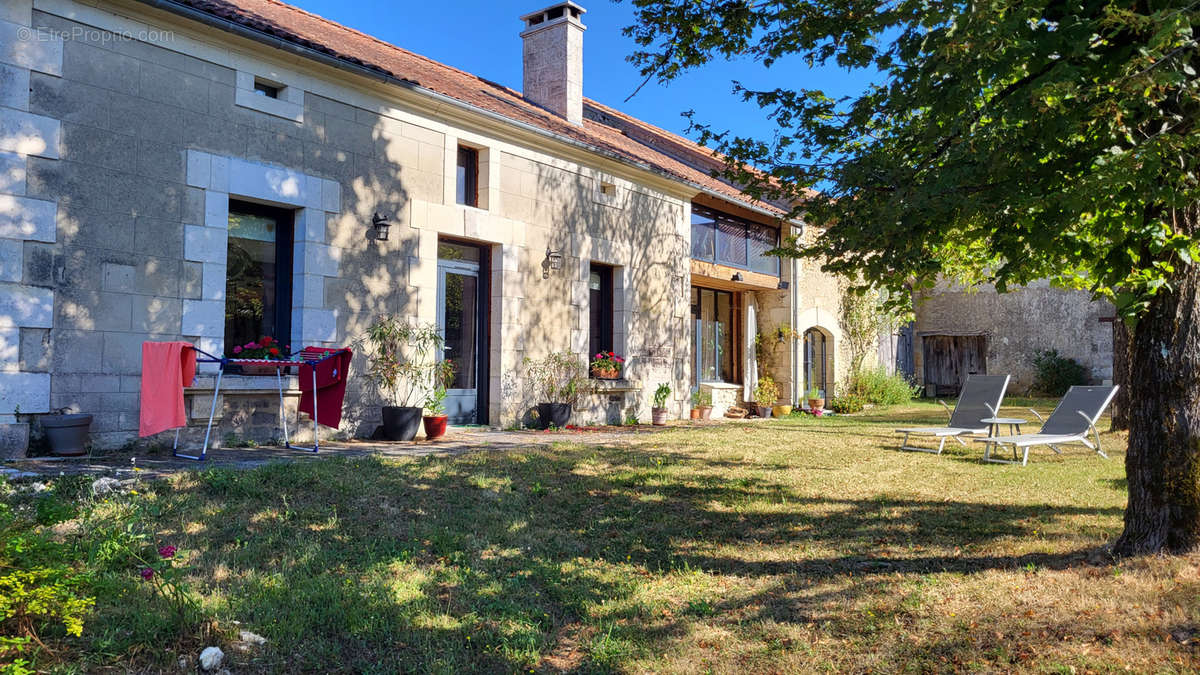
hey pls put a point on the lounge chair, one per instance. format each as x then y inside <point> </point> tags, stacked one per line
<point>979,399</point>
<point>1075,415</point>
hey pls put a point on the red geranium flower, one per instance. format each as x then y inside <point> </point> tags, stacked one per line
<point>147,574</point>
<point>167,551</point>
<point>273,351</point>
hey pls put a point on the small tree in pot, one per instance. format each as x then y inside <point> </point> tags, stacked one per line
<point>435,403</point>
<point>765,395</point>
<point>400,362</point>
<point>658,413</point>
<point>558,381</point>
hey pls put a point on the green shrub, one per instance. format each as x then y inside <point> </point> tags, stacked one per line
<point>846,404</point>
<point>1056,373</point>
<point>879,387</point>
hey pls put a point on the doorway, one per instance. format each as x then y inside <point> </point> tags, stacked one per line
<point>461,319</point>
<point>949,359</point>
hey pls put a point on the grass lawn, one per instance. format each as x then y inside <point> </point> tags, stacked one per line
<point>793,545</point>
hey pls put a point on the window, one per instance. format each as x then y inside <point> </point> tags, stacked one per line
<point>263,88</point>
<point>816,361</point>
<point>600,309</point>
<point>724,239</point>
<point>704,237</point>
<point>467,191</point>
<point>258,281</point>
<point>713,344</point>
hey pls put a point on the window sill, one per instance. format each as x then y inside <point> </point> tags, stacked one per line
<point>600,386</point>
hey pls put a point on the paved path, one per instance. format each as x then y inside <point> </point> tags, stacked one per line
<point>456,441</point>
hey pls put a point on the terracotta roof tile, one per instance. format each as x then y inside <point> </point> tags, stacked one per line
<point>625,136</point>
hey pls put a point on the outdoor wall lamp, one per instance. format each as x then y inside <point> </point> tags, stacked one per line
<point>552,262</point>
<point>737,276</point>
<point>381,225</point>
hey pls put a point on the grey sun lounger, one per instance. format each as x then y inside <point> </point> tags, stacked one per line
<point>1075,416</point>
<point>979,399</point>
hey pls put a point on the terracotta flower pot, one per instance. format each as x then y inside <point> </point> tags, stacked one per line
<point>435,426</point>
<point>695,414</point>
<point>606,373</point>
<point>816,403</point>
<point>706,412</point>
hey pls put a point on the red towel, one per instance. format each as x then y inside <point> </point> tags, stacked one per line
<point>167,367</point>
<point>331,384</point>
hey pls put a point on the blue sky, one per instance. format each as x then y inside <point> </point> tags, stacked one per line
<point>485,41</point>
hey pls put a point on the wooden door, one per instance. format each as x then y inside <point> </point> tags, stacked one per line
<point>950,358</point>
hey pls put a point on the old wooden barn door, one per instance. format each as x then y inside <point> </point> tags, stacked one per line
<point>950,358</point>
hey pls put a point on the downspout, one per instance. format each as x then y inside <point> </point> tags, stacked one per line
<point>797,344</point>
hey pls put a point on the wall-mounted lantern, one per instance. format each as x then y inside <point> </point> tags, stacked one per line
<point>381,225</point>
<point>552,262</point>
<point>737,276</point>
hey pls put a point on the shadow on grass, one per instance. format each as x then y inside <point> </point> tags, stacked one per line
<point>481,562</point>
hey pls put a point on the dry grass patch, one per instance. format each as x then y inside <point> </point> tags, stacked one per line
<point>795,545</point>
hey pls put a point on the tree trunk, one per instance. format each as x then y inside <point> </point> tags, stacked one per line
<point>1120,404</point>
<point>1163,461</point>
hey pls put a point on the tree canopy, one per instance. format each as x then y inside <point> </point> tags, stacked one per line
<point>1003,141</point>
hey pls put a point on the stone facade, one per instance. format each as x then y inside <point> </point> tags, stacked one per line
<point>116,194</point>
<point>1019,324</point>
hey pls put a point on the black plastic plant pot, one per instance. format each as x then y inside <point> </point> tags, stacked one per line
<point>401,423</point>
<point>67,434</point>
<point>553,414</point>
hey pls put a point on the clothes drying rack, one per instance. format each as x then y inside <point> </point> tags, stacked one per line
<point>278,365</point>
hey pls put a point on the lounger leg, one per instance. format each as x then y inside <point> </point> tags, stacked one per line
<point>941,445</point>
<point>959,440</point>
<point>1025,459</point>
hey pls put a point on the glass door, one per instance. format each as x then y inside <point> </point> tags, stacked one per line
<point>458,320</point>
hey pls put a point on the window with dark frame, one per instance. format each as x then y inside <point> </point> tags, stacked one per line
<point>258,279</point>
<point>727,240</point>
<point>600,309</point>
<point>266,89</point>
<point>467,186</point>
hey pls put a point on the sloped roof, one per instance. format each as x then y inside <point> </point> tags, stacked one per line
<point>629,138</point>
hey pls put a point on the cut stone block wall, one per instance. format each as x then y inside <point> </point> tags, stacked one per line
<point>114,188</point>
<point>1019,324</point>
<point>28,220</point>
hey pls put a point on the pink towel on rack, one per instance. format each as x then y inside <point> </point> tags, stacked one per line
<point>167,367</point>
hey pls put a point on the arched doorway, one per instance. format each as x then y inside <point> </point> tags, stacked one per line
<point>818,361</point>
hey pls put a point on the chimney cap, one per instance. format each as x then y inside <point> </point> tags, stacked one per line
<point>553,13</point>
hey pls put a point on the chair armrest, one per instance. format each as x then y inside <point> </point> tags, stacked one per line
<point>1037,415</point>
<point>949,413</point>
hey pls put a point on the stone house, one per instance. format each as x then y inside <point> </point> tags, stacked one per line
<point>215,170</point>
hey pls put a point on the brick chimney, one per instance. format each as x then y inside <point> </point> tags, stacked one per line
<point>553,59</point>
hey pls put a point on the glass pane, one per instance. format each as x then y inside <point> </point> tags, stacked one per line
<point>731,243</point>
<point>725,336</point>
<point>760,240</point>
<point>815,361</point>
<point>250,280</point>
<point>467,177</point>
<point>448,250</point>
<point>704,237</point>
<point>459,329</point>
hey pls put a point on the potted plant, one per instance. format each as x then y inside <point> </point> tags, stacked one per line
<point>607,366</point>
<point>781,410</point>
<point>558,383</point>
<point>815,400</point>
<point>266,348</point>
<point>399,362</point>
<point>658,413</point>
<point>702,404</point>
<point>765,395</point>
<point>435,417</point>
